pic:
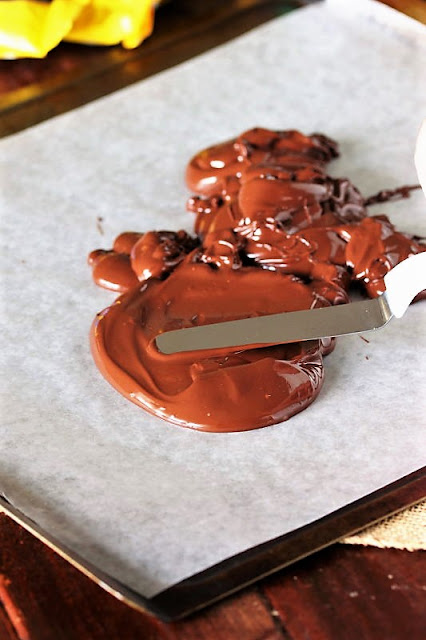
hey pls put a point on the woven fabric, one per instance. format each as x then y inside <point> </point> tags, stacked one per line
<point>404,530</point>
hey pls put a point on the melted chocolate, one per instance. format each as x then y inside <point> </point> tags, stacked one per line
<point>274,233</point>
<point>213,393</point>
<point>391,194</point>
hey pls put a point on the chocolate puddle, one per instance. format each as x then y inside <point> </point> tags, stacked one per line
<point>274,233</point>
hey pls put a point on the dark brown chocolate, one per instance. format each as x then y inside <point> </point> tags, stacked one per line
<point>391,194</point>
<point>274,233</point>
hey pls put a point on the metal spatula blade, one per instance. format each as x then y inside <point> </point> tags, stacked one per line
<point>403,283</point>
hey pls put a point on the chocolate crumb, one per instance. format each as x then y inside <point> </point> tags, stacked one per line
<point>99,226</point>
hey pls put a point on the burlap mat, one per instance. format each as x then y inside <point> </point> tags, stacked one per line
<point>405,530</point>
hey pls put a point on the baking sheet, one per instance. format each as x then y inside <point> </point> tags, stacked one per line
<point>148,502</point>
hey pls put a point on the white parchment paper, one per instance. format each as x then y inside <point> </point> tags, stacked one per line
<point>148,502</point>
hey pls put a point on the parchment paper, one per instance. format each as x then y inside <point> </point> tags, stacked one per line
<point>148,502</point>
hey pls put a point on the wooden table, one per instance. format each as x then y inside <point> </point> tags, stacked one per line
<point>341,593</point>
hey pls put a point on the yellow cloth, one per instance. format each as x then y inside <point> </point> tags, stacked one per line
<point>404,530</point>
<point>30,29</point>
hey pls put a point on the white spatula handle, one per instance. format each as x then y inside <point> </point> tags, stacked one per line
<point>404,282</point>
<point>408,278</point>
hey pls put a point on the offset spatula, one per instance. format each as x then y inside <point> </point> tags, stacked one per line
<point>403,283</point>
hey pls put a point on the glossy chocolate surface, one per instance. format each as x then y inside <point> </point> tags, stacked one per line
<point>274,233</point>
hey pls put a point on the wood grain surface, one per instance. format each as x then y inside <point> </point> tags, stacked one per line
<point>34,90</point>
<point>341,593</point>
